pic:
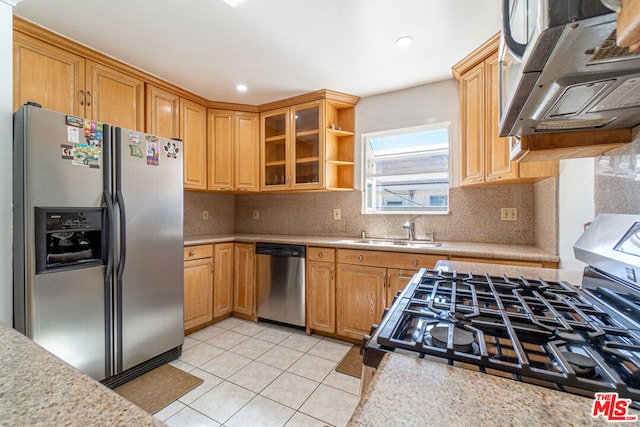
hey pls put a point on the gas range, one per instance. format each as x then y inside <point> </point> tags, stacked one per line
<point>579,339</point>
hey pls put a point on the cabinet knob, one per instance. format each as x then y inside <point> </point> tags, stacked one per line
<point>360,257</point>
<point>415,262</point>
<point>319,254</point>
<point>192,253</point>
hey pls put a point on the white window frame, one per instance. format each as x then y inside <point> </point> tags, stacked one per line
<point>364,167</point>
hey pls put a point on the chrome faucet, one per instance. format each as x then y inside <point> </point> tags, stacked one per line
<point>411,226</point>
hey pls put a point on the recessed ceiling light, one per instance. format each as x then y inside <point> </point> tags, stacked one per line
<point>241,88</point>
<point>404,41</point>
<point>234,3</point>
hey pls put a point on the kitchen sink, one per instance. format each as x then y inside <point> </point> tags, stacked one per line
<point>395,242</point>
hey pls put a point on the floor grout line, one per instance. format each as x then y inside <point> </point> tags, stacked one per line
<point>239,324</point>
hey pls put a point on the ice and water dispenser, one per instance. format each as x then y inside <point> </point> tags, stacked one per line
<point>68,238</point>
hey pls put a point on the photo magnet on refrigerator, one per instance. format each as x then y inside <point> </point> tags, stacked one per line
<point>153,150</point>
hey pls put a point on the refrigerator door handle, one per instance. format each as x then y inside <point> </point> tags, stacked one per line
<point>107,278</point>
<point>110,246</point>
<point>123,235</point>
<point>123,245</point>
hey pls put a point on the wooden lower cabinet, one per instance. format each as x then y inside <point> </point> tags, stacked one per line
<point>397,279</point>
<point>367,282</point>
<point>244,281</point>
<point>198,292</point>
<point>321,290</point>
<point>223,279</point>
<point>360,295</point>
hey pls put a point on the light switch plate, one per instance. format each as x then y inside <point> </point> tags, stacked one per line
<point>256,214</point>
<point>205,215</point>
<point>337,214</point>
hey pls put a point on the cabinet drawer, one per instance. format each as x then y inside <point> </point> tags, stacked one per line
<point>321,254</point>
<point>196,252</point>
<point>388,259</point>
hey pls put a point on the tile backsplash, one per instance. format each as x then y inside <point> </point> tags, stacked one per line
<point>474,216</point>
<point>617,179</point>
<point>221,213</point>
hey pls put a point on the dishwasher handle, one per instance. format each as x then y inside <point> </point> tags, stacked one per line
<point>280,249</point>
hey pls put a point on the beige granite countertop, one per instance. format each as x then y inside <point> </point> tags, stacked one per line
<point>470,249</point>
<point>407,391</point>
<point>38,389</point>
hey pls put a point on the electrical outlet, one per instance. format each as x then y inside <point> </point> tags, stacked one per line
<point>509,214</point>
<point>205,215</point>
<point>337,214</point>
<point>256,214</point>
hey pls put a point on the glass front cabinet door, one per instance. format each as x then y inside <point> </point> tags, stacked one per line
<point>307,146</point>
<point>275,130</point>
<point>292,148</point>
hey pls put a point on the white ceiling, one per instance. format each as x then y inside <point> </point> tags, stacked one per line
<point>278,48</point>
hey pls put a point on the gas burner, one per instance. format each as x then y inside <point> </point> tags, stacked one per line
<point>584,366</point>
<point>462,340</point>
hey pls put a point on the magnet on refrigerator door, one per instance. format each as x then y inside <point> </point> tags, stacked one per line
<point>171,150</point>
<point>77,122</point>
<point>136,151</point>
<point>153,150</point>
<point>67,151</point>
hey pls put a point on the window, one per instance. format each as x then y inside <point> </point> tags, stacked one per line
<point>407,170</point>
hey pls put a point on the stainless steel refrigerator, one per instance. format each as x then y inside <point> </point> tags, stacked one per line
<point>98,243</point>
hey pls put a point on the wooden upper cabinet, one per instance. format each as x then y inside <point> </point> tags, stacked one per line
<point>233,150</point>
<point>114,97</point>
<point>274,150</point>
<point>247,151</point>
<point>485,157</point>
<point>193,132</point>
<point>292,148</point>
<point>220,150</point>
<point>472,138</point>
<point>307,143</point>
<point>163,112</point>
<point>52,77</point>
<point>499,164</point>
<point>65,82</point>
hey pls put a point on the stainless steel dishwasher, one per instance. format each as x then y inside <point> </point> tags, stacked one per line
<point>280,281</point>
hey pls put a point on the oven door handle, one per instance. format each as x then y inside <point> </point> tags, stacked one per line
<point>516,49</point>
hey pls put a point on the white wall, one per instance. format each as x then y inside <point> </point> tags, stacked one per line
<point>576,206</point>
<point>6,166</point>
<point>416,106</point>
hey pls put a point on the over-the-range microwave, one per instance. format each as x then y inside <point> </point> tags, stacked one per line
<point>561,70</point>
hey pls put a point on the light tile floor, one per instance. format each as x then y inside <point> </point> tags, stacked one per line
<point>260,374</point>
